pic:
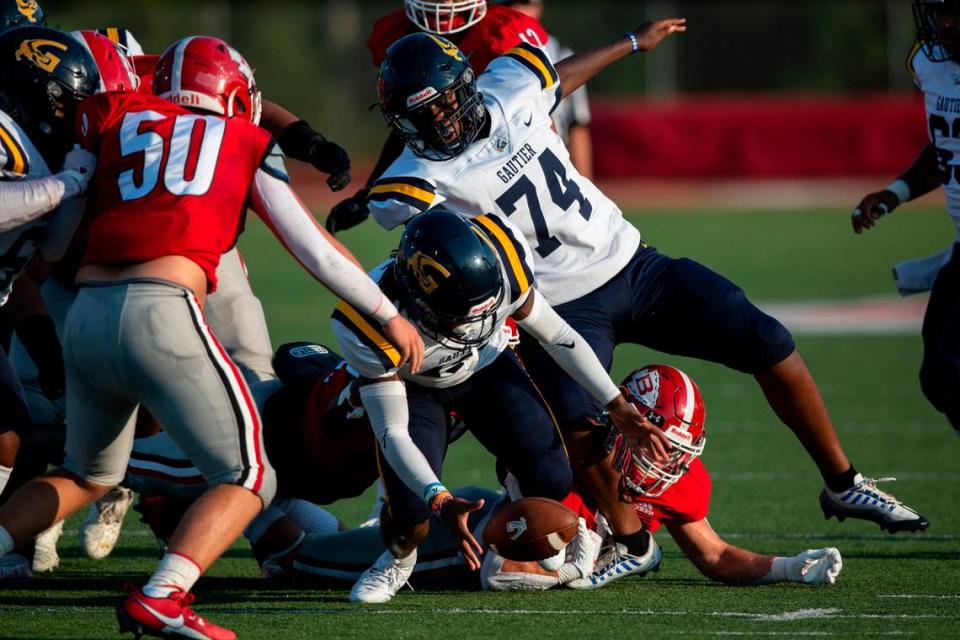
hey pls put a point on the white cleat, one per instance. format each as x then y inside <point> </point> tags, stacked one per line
<point>865,501</point>
<point>616,563</point>
<point>380,583</point>
<point>101,529</point>
<point>45,556</point>
<point>14,565</point>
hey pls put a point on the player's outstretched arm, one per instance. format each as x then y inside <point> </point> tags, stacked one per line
<point>23,201</point>
<point>576,70</point>
<point>923,176</point>
<point>726,563</point>
<point>280,208</point>
<point>577,358</point>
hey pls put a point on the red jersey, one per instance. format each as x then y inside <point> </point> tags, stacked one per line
<point>686,501</point>
<point>168,182</point>
<point>500,30</point>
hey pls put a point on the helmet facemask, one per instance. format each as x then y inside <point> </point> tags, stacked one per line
<point>938,28</point>
<point>645,477</point>
<point>445,18</point>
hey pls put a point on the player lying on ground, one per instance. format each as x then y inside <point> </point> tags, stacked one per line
<point>485,143</point>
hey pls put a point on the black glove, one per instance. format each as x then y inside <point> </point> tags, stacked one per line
<point>39,338</point>
<point>348,213</point>
<point>301,142</point>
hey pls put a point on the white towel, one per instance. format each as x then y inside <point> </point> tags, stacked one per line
<point>917,276</point>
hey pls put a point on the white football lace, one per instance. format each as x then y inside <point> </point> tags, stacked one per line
<point>388,577</point>
<point>871,484</point>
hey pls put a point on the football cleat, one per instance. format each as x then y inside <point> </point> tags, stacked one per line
<point>14,565</point>
<point>616,562</point>
<point>45,556</point>
<point>169,617</point>
<point>864,501</point>
<point>101,529</point>
<point>380,583</point>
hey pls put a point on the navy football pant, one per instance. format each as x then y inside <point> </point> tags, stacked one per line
<point>940,372</point>
<point>506,413</point>
<point>14,413</point>
<point>677,306</point>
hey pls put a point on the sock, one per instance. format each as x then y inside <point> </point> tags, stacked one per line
<point>406,562</point>
<point>838,482</point>
<point>6,542</point>
<point>636,543</point>
<point>174,573</point>
<point>4,476</point>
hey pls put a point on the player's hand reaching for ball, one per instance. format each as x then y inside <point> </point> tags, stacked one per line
<point>871,208</point>
<point>649,438</point>
<point>405,337</point>
<point>650,34</point>
<point>454,512</point>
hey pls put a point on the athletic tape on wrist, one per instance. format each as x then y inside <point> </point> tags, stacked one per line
<point>900,189</point>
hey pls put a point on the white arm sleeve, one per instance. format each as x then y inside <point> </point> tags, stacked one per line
<point>569,349</point>
<point>282,211</point>
<point>23,201</point>
<point>386,406</point>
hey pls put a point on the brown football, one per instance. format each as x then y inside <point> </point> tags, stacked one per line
<point>530,529</point>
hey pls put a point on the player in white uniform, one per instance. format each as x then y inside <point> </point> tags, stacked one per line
<point>934,65</point>
<point>486,145</point>
<point>459,281</point>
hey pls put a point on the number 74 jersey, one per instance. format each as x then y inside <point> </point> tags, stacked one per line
<point>522,171</point>
<point>169,181</point>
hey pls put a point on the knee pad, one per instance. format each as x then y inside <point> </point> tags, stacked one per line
<point>770,343</point>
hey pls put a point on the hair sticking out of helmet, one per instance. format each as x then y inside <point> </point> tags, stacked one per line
<point>670,399</point>
<point>207,74</point>
<point>115,68</point>
<point>445,17</point>
<point>938,28</point>
<point>20,13</point>
<point>450,278</point>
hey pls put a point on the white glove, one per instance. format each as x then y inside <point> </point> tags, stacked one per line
<point>79,165</point>
<point>815,566</point>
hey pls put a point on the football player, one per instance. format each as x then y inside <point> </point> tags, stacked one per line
<point>21,13</point>
<point>933,63</point>
<point>482,32</point>
<point>155,237</point>
<point>459,281</point>
<point>482,144</point>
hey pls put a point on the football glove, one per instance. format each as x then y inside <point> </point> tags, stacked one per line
<point>301,142</point>
<point>348,213</point>
<point>815,566</point>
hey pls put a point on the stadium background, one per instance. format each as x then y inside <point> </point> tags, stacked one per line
<point>779,227</point>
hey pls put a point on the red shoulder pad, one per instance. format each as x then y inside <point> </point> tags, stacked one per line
<point>501,30</point>
<point>386,31</point>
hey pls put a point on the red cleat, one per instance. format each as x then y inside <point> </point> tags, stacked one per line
<point>169,617</point>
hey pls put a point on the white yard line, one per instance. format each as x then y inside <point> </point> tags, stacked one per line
<point>922,596</point>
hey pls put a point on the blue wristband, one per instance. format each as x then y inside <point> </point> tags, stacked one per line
<point>629,35</point>
<point>431,491</point>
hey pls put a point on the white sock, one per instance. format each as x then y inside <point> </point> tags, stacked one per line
<point>409,561</point>
<point>4,476</point>
<point>174,573</point>
<point>6,542</point>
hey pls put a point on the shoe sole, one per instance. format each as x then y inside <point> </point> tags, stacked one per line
<point>830,510</point>
<point>129,625</point>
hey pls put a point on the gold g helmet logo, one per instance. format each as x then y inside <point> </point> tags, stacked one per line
<point>29,9</point>
<point>31,50</point>
<point>447,47</point>
<point>418,263</point>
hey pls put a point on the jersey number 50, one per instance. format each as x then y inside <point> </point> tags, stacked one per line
<point>201,157</point>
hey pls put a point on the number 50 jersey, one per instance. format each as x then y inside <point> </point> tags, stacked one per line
<point>521,170</point>
<point>169,181</point>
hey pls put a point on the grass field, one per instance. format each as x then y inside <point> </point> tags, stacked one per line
<point>765,488</point>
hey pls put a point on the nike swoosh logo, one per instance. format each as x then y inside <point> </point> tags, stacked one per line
<point>566,345</point>
<point>529,120</point>
<point>174,623</point>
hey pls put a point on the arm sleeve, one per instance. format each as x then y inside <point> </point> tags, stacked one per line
<point>22,201</point>
<point>386,406</point>
<point>282,211</point>
<point>569,349</point>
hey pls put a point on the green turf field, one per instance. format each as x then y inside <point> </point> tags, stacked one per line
<point>765,489</point>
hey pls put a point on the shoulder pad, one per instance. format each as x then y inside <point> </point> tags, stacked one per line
<point>512,255</point>
<point>273,164</point>
<point>368,340</point>
<point>14,159</point>
<point>416,192</point>
<point>537,62</point>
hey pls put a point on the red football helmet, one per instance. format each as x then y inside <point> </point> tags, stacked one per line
<point>206,73</point>
<point>668,398</point>
<point>445,17</point>
<point>116,70</point>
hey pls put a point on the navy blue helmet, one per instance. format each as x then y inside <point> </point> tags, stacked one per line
<point>938,28</point>
<point>20,13</point>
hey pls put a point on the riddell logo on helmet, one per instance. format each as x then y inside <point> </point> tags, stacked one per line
<point>185,99</point>
<point>678,433</point>
<point>483,306</point>
<point>421,96</point>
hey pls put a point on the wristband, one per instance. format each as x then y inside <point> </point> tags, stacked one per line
<point>632,37</point>
<point>900,189</point>
<point>435,495</point>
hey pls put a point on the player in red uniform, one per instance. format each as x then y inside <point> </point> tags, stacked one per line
<point>482,32</point>
<point>176,173</point>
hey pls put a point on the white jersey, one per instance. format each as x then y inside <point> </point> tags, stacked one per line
<point>521,170</point>
<point>940,83</point>
<point>444,365</point>
<point>19,160</point>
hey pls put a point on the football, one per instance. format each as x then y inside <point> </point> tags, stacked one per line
<point>530,529</point>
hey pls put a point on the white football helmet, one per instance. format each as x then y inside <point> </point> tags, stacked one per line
<point>443,18</point>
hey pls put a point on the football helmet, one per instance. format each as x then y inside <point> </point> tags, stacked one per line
<point>20,13</point>
<point>443,18</point>
<point>938,28</point>
<point>428,94</point>
<point>202,72</point>
<point>668,398</point>
<point>450,277</point>
<point>44,74</point>
<point>115,68</point>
